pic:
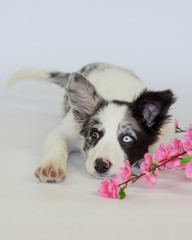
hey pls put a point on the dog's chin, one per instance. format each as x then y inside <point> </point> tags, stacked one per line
<point>103,175</point>
<point>108,174</point>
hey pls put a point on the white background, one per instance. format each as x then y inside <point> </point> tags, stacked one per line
<point>151,37</point>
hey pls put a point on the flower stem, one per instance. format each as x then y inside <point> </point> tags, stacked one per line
<point>179,130</point>
<point>164,161</point>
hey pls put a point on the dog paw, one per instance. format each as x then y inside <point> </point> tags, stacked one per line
<point>50,171</point>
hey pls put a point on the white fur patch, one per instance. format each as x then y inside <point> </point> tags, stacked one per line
<point>116,84</point>
<point>108,148</point>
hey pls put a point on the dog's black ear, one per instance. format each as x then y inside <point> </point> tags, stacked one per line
<point>150,108</point>
<point>83,97</point>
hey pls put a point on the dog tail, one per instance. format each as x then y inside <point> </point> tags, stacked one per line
<point>58,78</point>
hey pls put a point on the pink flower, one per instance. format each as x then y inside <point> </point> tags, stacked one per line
<point>109,189</point>
<point>125,172</point>
<point>148,161</point>
<point>188,139</point>
<point>176,124</point>
<point>173,149</point>
<point>188,169</point>
<point>149,178</point>
<point>177,147</point>
<point>160,154</point>
<point>156,171</point>
<point>177,165</point>
<point>189,153</point>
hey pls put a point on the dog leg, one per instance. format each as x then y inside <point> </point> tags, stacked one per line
<point>58,144</point>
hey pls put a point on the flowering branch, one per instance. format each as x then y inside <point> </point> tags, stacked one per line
<point>177,155</point>
<point>164,162</point>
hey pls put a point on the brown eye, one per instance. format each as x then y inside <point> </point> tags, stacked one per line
<point>95,135</point>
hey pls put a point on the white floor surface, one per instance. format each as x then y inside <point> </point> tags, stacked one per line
<point>73,210</point>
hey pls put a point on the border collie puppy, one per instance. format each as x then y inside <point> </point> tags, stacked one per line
<point>109,115</point>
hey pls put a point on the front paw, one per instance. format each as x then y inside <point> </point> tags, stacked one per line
<point>50,171</point>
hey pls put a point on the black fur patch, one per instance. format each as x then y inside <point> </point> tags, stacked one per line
<point>148,113</point>
<point>90,126</point>
<point>120,103</point>
<point>54,74</point>
<point>66,105</point>
<point>60,78</point>
<point>148,133</point>
<point>150,109</point>
<point>136,149</point>
<point>86,70</point>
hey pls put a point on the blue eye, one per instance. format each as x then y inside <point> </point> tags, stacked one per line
<point>127,139</point>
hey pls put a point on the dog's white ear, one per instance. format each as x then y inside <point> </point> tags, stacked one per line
<point>83,97</point>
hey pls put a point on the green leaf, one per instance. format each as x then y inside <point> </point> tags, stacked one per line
<point>185,160</point>
<point>122,194</point>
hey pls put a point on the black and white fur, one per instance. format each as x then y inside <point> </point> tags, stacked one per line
<point>109,115</point>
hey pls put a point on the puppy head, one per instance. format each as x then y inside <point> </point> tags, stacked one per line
<point>115,131</point>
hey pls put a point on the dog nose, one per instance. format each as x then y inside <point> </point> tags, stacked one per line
<point>102,166</point>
